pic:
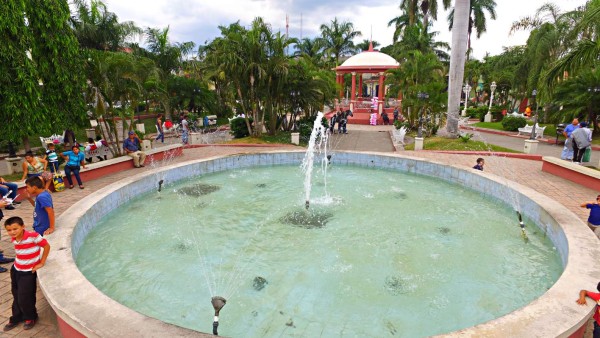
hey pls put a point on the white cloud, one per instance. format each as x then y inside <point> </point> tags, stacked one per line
<point>198,20</point>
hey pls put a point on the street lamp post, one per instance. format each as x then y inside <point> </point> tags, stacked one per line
<point>533,95</point>
<point>467,90</point>
<point>488,116</point>
<point>422,96</point>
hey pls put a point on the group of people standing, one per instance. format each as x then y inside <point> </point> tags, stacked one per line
<point>162,127</point>
<point>341,118</point>
<point>578,139</point>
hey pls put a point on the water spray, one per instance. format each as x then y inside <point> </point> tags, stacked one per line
<point>160,185</point>
<point>217,302</point>
<point>522,225</point>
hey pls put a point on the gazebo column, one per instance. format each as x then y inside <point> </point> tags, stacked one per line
<point>339,81</point>
<point>360,85</point>
<point>353,92</point>
<point>381,90</point>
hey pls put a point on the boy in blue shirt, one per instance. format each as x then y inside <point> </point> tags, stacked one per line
<point>43,212</point>
<point>594,218</point>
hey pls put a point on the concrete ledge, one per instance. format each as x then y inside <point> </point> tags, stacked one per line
<point>587,177</point>
<point>83,307</point>
<point>102,168</point>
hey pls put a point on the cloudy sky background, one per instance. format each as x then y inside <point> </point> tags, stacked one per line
<point>198,20</point>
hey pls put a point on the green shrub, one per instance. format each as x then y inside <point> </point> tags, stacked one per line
<point>472,112</point>
<point>399,124</point>
<point>238,127</point>
<point>511,123</point>
<point>481,111</point>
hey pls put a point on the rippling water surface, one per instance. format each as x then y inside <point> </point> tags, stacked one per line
<point>382,254</point>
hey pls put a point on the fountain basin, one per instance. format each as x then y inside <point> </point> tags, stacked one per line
<point>81,306</point>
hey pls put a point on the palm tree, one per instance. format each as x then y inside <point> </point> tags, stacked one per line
<point>477,17</point>
<point>310,49</point>
<point>457,63</point>
<point>168,56</point>
<point>364,45</point>
<point>420,72</point>
<point>97,28</point>
<point>584,54</point>
<point>414,11</point>
<point>578,99</point>
<point>337,39</point>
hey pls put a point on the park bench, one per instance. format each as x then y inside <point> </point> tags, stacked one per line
<point>172,130</point>
<point>539,131</point>
<point>399,134</point>
<point>208,120</point>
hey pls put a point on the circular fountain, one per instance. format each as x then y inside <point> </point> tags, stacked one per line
<point>389,281</point>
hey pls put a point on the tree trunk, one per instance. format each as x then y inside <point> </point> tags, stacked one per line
<point>26,144</point>
<point>457,63</point>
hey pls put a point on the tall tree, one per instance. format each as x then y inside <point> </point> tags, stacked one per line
<point>364,45</point>
<point>97,28</point>
<point>337,39</point>
<point>584,54</point>
<point>477,19</point>
<point>41,81</point>
<point>457,63</point>
<point>168,56</point>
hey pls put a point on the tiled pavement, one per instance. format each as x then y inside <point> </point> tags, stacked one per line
<point>522,171</point>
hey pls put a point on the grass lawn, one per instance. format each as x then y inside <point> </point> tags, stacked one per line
<point>549,131</point>
<point>442,143</point>
<point>279,138</point>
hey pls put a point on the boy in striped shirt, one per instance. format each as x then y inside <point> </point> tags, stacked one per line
<point>28,259</point>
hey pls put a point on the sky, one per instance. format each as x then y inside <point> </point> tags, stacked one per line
<point>198,20</point>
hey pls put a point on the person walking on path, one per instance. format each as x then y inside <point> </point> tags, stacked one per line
<point>75,160</point>
<point>159,129</point>
<point>594,218</point>
<point>29,259</point>
<point>582,138</point>
<point>567,152</point>
<point>184,130</point>
<point>132,147</point>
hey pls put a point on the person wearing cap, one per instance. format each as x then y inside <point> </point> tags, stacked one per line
<point>594,218</point>
<point>582,138</point>
<point>567,152</point>
<point>132,147</point>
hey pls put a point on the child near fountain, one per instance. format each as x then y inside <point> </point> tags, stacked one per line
<point>595,297</point>
<point>594,218</point>
<point>43,213</point>
<point>480,164</point>
<point>29,258</point>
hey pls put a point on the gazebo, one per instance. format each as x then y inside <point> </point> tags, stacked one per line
<point>368,65</point>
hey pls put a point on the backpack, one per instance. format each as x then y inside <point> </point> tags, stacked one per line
<point>59,184</point>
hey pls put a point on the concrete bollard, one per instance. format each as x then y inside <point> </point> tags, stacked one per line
<point>14,165</point>
<point>146,145</point>
<point>90,133</point>
<point>419,143</point>
<point>296,138</point>
<point>141,128</point>
<point>531,146</point>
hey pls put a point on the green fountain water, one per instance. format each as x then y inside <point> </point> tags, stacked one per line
<point>384,253</point>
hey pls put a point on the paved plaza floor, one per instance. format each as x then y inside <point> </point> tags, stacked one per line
<point>361,138</point>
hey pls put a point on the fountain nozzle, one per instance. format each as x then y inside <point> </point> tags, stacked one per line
<point>217,303</point>
<point>307,204</point>
<point>160,183</point>
<point>328,159</point>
